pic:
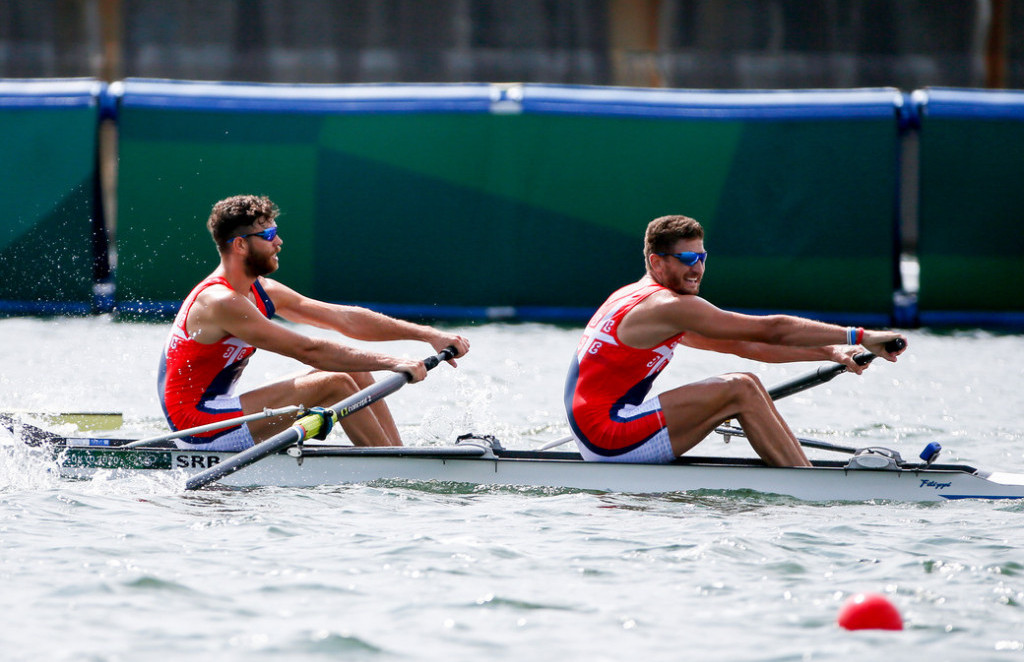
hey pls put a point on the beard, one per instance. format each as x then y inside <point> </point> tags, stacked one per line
<point>681,286</point>
<point>260,265</point>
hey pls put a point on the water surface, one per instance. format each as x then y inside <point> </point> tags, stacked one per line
<point>137,569</point>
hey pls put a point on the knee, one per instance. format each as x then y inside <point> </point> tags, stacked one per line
<point>340,384</point>
<point>361,379</point>
<point>745,385</point>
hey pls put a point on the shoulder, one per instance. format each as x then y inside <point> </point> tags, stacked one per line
<point>219,302</point>
<point>285,299</point>
<point>665,302</point>
<point>661,315</point>
<point>277,291</point>
<point>217,292</point>
<point>212,310</point>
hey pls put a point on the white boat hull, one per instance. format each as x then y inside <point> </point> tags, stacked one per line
<point>827,481</point>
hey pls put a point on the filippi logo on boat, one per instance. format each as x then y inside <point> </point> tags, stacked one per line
<point>934,484</point>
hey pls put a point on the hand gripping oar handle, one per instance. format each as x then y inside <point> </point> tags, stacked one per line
<point>308,426</point>
<point>827,372</point>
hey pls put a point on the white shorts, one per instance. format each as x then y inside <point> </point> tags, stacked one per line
<point>657,450</point>
<point>237,439</point>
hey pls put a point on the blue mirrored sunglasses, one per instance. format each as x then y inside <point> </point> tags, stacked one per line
<point>267,234</point>
<point>689,258</point>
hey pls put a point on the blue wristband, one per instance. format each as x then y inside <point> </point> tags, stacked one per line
<point>851,336</point>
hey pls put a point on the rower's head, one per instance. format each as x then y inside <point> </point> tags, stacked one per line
<point>674,253</point>
<point>240,216</point>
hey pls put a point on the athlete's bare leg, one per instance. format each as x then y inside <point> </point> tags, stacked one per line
<point>371,426</point>
<point>692,412</point>
<point>380,408</point>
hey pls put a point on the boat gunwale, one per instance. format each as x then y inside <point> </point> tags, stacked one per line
<point>473,452</point>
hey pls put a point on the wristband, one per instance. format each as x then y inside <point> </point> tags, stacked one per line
<point>860,335</point>
<point>851,336</point>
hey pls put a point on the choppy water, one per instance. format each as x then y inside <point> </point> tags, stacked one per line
<point>136,569</point>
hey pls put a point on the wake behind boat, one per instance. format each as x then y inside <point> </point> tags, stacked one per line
<point>871,474</point>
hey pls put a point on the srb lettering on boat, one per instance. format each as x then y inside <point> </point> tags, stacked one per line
<point>934,483</point>
<point>184,461</point>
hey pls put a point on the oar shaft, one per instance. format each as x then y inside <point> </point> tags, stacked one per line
<point>219,425</point>
<point>305,428</point>
<point>820,376</point>
<point>292,435</point>
<point>823,374</point>
<point>826,373</point>
<point>308,426</point>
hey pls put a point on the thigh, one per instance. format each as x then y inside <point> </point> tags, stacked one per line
<point>307,389</point>
<point>310,389</point>
<point>693,411</point>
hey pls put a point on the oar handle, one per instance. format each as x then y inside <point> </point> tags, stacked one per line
<point>445,354</point>
<point>828,372</point>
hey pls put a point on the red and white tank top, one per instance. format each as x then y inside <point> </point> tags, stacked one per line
<point>193,374</point>
<point>606,374</point>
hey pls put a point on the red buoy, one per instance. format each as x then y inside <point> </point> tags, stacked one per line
<point>869,611</point>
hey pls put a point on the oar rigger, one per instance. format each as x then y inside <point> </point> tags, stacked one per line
<point>315,423</point>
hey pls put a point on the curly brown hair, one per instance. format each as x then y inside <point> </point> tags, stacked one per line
<point>664,231</point>
<point>238,211</point>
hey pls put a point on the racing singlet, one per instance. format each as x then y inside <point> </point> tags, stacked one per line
<point>196,381</point>
<point>608,380</point>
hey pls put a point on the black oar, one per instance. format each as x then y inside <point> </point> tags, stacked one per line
<point>828,372</point>
<point>309,426</point>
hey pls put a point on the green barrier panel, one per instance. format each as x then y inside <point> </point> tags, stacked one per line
<point>523,197</point>
<point>971,248</point>
<point>48,187</point>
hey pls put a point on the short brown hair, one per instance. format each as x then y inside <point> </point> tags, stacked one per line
<point>664,231</point>
<point>238,211</point>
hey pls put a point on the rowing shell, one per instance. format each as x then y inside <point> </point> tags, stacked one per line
<point>482,461</point>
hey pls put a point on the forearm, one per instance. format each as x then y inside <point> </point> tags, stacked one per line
<point>355,322</point>
<point>363,324</point>
<point>836,341</point>
<point>766,353</point>
<point>335,357</point>
<point>799,332</point>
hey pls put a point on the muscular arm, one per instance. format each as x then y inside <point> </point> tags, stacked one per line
<point>355,322</point>
<point>219,311</point>
<point>770,338</point>
<point>352,321</point>
<point>757,351</point>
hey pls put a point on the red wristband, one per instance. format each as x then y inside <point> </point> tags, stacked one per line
<point>860,335</point>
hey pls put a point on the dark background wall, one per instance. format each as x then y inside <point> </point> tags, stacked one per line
<point>718,44</point>
<point>662,43</point>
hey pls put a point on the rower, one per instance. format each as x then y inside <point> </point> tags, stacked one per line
<point>632,337</point>
<point>228,316</point>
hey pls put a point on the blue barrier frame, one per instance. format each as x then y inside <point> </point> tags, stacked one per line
<point>907,109</point>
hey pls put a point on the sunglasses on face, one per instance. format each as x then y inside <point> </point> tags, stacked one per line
<point>267,234</point>
<point>689,258</point>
